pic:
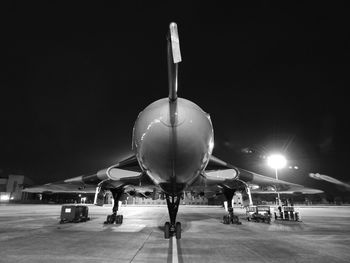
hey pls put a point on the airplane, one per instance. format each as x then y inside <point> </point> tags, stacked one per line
<point>172,141</point>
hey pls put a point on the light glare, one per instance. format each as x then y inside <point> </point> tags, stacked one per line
<point>276,161</point>
<point>5,197</point>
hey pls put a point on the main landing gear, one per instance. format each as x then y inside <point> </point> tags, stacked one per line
<point>114,218</point>
<point>172,228</point>
<point>230,218</point>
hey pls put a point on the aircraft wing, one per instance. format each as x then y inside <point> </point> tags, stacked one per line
<point>122,174</point>
<point>222,173</point>
<point>61,187</point>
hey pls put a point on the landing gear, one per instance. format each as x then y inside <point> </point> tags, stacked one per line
<point>167,230</point>
<point>114,218</point>
<point>178,230</point>
<point>172,228</point>
<point>230,218</point>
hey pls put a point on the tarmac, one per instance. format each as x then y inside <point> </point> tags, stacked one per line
<point>32,233</point>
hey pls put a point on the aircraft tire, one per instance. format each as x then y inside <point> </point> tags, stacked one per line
<point>167,230</point>
<point>111,219</point>
<point>119,219</point>
<point>226,220</point>
<point>178,230</point>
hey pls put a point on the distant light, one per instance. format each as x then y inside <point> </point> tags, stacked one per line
<point>296,167</point>
<point>4,197</point>
<point>12,198</point>
<point>247,150</point>
<point>276,161</point>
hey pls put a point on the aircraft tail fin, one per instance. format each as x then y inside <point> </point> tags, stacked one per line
<point>174,58</point>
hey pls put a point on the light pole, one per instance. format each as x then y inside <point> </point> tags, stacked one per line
<point>277,161</point>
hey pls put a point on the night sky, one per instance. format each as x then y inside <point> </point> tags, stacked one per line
<point>75,76</point>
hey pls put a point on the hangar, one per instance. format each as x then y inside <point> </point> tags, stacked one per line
<point>11,187</point>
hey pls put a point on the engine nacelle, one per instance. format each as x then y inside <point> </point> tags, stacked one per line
<point>132,193</point>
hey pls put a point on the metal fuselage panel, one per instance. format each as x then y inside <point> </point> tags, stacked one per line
<point>173,142</point>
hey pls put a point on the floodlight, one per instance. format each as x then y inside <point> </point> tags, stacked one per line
<point>276,161</point>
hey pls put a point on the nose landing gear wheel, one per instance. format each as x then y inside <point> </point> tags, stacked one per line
<point>178,230</point>
<point>172,230</point>
<point>167,230</point>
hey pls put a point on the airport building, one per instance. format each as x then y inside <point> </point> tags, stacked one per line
<point>11,188</point>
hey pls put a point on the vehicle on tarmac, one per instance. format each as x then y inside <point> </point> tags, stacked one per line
<point>259,213</point>
<point>286,213</point>
<point>74,214</point>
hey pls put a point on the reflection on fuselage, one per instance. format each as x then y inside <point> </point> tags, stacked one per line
<point>173,142</point>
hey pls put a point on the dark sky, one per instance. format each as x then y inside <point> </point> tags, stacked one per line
<point>74,77</point>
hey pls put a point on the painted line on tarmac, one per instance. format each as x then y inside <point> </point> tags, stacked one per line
<point>174,258</point>
<point>141,247</point>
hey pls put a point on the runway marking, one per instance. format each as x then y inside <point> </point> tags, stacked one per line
<point>174,258</point>
<point>140,248</point>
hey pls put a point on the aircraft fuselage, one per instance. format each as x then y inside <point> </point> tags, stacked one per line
<point>173,142</point>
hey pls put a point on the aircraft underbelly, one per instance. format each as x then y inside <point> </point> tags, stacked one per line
<point>173,151</point>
